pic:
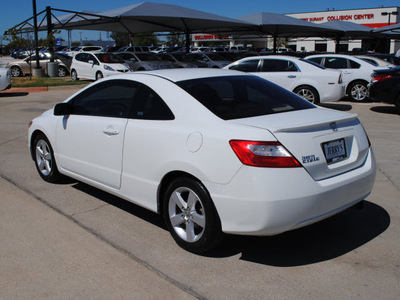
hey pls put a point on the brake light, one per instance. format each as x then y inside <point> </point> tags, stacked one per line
<point>263,154</point>
<point>379,78</point>
<point>340,79</point>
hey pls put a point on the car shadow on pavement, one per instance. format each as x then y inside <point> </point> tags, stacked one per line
<point>337,106</point>
<point>385,109</point>
<point>11,94</point>
<point>316,243</point>
<point>125,205</point>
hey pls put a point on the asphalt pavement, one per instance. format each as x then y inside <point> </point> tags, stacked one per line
<point>72,241</point>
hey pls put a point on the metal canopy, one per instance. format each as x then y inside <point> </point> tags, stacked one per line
<point>279,25</point>
<point>146,17</point>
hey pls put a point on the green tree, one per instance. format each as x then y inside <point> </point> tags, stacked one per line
<point>175,39</point>
<point>140,39</point>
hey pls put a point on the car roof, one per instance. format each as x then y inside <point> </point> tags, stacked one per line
<point>176,75</point>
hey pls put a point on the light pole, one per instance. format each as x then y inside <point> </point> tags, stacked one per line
<point>36,34</point>
<point>385,13</point>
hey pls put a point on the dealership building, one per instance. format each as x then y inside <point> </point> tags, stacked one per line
<point>370,17</point>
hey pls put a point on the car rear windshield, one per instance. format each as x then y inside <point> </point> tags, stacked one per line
<point>236,97</point>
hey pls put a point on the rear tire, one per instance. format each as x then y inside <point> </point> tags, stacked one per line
<point>62,72</point>
<point>397,104</point>
<point>191,216</point>
<point>308,93</point>
<point>358,91</point>
<point>16,71</point>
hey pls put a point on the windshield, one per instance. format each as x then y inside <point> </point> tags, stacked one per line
<point>236,97</point>
<point>109,58</point>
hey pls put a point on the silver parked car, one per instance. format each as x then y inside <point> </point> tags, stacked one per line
<point>144,61</point>
<point>24,66</point>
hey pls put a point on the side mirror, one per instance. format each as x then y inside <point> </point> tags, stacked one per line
<point>62,109</point>
<point>91,62</point>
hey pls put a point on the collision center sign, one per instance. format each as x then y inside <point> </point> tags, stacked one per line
<point>209,37</point>
<point>371,17</point>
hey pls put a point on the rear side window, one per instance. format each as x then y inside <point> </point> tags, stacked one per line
<point>278,65</point>
<point>355,65</point>
<point>246,66</point>
<point>148,105</point>
<point>336,63</point>
<point>317,60</point>
<point>235,97</point>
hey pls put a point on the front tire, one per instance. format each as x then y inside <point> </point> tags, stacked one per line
<point>191,216</point>
<point>99,76</point>
<point>358,91</point>
<point>308,93</point>
<point>74,75</point>
<point>44,159</point>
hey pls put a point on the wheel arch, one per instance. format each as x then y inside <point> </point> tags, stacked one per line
<point>308,86</point>
<point>32,140</point>
<point>166,181</point>
<point>354,81</point>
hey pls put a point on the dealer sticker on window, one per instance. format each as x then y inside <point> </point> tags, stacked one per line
<point>334,151</point>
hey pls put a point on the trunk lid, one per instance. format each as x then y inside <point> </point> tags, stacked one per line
<point>326,142</point>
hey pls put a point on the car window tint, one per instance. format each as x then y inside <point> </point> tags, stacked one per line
<point>336,63</point>
<point>317,60</point>
<point>278,65</point>
<point>148,105</point>
<point>235,97</point>
<point>355,65</point>
<point>113,98</point>
<point>81,57</point>
<point>246,66</point>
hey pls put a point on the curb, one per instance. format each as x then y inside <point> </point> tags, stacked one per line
<point>26,90</point>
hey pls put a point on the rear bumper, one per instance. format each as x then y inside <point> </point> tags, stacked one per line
<point>260,201</point>
<point>333,93</point>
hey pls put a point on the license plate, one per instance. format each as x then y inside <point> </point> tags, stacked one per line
<point>334,151</point>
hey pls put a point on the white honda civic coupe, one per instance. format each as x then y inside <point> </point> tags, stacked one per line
<point>214,151</point>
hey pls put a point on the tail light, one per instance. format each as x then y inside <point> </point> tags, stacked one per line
<point>379,78</point>
<point>340,79</point>
<point>263,154</point>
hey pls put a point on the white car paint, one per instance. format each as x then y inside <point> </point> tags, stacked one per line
<point>134,158</point>
<point>354,71</point>
<point>5,79</point>
<point>292,73</point>
<point>90,65</point>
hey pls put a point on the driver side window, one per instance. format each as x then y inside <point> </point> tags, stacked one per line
<point>113,99</point>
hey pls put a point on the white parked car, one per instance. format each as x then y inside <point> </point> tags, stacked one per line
<point>376,61</point>
<point>5,79</point>
<point>304,78</point>
<point>96,65</point>
<point>144,61</point>
<point>356,72</point>
<point>212,150</point>
<point>78,49</point>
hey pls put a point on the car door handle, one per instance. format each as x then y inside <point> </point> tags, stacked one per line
<point>292,76</point>
<point>110,131</point>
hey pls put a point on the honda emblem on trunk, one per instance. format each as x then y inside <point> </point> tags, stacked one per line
<point>333,126</point>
